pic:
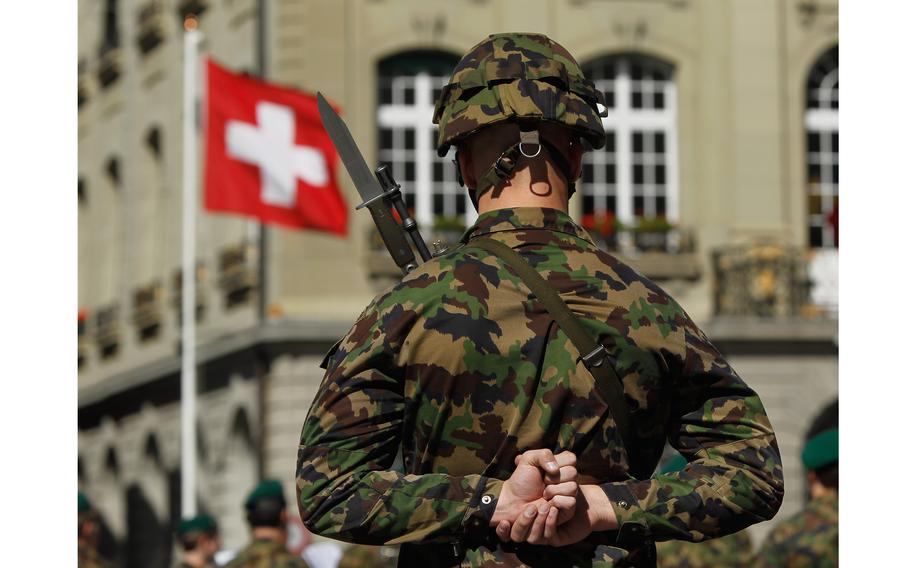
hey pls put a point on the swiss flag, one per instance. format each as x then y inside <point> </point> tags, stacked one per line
<point>268,156</point>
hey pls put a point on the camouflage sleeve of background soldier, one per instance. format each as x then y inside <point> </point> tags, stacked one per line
<point>346,486</point>
<point>775,550</point>
<point>733,478</point>
<point>802,540</point>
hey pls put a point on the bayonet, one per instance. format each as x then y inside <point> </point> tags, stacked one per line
<point>379,192</point>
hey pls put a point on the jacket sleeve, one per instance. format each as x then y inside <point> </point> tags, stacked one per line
<point>774,551</point>
<point>347,488</point>
<point>733,478</point>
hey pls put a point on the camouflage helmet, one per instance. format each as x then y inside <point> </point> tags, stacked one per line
<point>521,77</point>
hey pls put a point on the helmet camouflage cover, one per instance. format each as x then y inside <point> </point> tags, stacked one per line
<point>518,77</point>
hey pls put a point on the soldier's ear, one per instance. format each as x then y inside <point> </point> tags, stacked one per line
<point>465,162</point>
<point>576,151</point>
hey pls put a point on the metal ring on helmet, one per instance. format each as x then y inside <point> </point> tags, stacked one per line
<point>523,78</point>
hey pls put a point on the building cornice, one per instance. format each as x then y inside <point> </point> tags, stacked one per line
<point>269,334</point>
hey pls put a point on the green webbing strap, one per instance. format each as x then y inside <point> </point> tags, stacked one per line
<point>503,167</point>
<point>594,355</point>
<point>500,170</point>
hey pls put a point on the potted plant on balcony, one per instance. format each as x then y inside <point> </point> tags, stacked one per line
<point>651,234</point>
<point>604,227</point>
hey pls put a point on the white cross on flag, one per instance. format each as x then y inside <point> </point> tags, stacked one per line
<point>268,156</point>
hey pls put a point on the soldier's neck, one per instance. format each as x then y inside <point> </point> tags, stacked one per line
<point>817,490</point>
<point>270,533</point>
<point>195,558</point>
<point>523,190</point>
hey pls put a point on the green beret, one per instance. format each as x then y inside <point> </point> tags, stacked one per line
<point>675,463</point>
<point>200,523</point>
<point>821,450</point>
<point>84,504</point>
<point>268,490</point>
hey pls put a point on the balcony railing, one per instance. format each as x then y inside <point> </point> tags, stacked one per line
<point>766,280</point>
<point>107,330</point>
<point>109,63</point>
<point>81,86</point>
<point>147,310</point>
<point>82,338</point>
<point>237,273</point>
<point>177,293</point>
<point>151,26</point>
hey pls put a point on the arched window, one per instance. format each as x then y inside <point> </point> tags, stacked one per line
<point>111,463</point>
<point>635,175</point>
<point>148,540</point>
<point>821,150</point>
<point>409,84</point>
<point>148,537</point>
<point>109,502</point>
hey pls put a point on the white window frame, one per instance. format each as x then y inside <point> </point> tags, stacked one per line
<point>622,121</point>
<point>822,120</point>
<point>419,116</point>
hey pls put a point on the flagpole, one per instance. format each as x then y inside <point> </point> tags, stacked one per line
<point>263,232</point>
<point>191,39</point>
<point>261,362</point>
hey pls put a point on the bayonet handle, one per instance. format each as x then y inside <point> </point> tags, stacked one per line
<point>393,237</point>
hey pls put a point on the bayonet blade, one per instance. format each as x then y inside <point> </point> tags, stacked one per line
<point>367,186</point>
<point>366,183</point>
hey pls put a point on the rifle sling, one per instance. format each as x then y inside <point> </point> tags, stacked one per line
<point>594,355</point>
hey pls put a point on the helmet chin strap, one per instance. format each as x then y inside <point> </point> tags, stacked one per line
<point>505,164</point>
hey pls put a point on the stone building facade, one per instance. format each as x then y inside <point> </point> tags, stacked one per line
<point>721,173</point>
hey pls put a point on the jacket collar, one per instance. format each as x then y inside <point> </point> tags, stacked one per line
<point>525,219</point>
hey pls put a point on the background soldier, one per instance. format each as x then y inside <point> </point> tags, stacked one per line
<point>198,538</point>
<point>359,556</point>
<point>809,538</point>
<point>266,511</point>
<point>731,551</point>
<point>462,368</point>
<point>89,534</point>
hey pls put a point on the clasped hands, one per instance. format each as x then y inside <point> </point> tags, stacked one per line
<point>542,502</point>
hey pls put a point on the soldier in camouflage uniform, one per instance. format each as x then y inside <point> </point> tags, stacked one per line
<point>809,538</point>
<point>198,538</point>
<point>461,369</point>
<point>731,551</point>
<point>266,512</point>
<point>360,556</point>
<point>89,533</point>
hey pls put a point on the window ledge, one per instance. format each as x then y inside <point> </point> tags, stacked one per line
<point>664,265</point>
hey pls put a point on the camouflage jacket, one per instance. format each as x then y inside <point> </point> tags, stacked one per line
<point>266,554</point>
<point>183,564</point>
<point>89,558</point>
<point>731,551</point>
<point>359,556</point>
<point>808,539</point>
<point>460,369</point>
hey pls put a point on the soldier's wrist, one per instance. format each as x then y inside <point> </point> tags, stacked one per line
<point>505,506</point>
<point>603,516</point>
